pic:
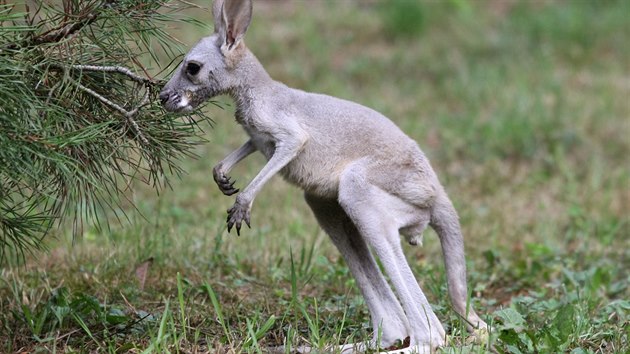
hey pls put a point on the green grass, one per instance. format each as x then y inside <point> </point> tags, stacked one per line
<point>522,108</point>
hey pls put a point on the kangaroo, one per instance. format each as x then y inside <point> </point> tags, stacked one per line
<point>366,182</point>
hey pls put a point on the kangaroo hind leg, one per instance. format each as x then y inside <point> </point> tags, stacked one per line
<point>387,315</point>
<point>379,217</point>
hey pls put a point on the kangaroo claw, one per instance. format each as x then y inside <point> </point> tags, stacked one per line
<point>226,185</point>
<point>236,215</point>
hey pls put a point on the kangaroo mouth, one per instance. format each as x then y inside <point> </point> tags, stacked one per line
<point>186,101</point>
<point>198,97</point>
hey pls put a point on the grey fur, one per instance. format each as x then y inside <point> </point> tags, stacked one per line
<point>365,180</point>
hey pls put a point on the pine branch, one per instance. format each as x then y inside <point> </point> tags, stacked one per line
<point>128,114</point>
<point>77,123</point>
<point>112,69</point>
<point>58,34</point>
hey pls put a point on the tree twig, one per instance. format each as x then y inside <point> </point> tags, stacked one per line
<point>113,69</point>
<point>55,35</point>
<point>129,115</point>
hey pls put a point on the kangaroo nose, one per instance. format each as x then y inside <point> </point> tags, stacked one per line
<point>164,95</point>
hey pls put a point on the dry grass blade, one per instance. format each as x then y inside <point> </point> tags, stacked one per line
<point>142,271</point>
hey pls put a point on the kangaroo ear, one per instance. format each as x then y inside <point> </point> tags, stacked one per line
<point>217,8</point>
<point>237,15</point>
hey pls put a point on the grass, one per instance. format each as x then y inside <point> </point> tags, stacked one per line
<point>522,108</point>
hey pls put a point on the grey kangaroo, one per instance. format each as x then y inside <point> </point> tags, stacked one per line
<point>365,180</point>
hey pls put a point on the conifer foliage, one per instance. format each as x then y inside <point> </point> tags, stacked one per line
<point>78,113</point>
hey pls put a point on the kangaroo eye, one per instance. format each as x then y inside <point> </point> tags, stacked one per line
<point>193,69</point>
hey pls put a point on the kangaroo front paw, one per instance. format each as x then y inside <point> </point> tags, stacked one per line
<point>236,215</point>
<point>226,185</point>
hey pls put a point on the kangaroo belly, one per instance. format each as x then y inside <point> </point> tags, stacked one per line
<point>316,176</point>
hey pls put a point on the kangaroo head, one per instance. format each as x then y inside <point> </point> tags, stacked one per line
<point>211,67</point>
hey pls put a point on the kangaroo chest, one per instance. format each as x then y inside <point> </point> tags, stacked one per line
<point>264,143</point>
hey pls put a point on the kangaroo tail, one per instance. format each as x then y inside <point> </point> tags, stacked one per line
<point>445,222</point>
